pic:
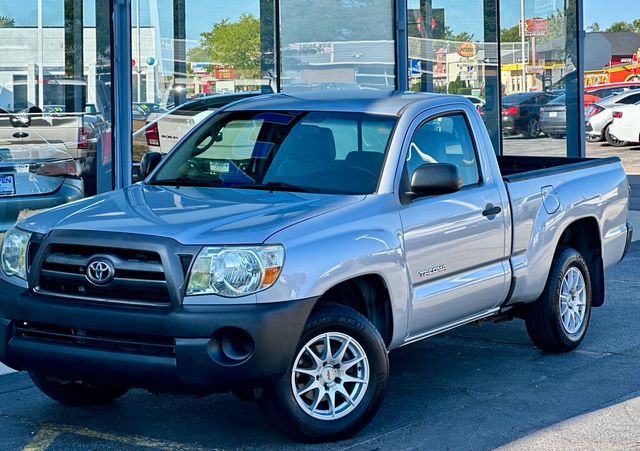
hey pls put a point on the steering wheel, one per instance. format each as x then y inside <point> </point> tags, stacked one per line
<point>361,169</point>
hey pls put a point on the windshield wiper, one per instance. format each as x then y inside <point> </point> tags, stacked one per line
<point>188,181</point>
<point>279,186</point>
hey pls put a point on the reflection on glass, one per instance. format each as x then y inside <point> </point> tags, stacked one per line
<point>337,45</point>
<point>55,104</point>
<point>538,75</point>
<point>453,50</point>
<point>187,65</point>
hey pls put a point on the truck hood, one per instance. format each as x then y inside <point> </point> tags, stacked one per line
<point>190,215</point>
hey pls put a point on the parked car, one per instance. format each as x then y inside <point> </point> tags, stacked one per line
<point>553,118</point>
<point>35,177</point>
<point>288,243</point>
<point>476,101</point>
<point>164,130</point>
<point>595,93</point>
<point>626,123</point>
<point>521,113</point>
<point>599,116</point>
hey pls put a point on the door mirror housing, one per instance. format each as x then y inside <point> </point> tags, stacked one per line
<point>149,162</point>
<point>435,178</point>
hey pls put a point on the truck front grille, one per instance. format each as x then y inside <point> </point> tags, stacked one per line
<point>139,276</point>
<point>129,343</point>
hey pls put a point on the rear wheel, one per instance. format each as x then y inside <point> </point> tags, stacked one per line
<point>558,321</point>
<point>615,142</point>
<point>336,382</point>
<point>533,128</point>
<point>594,138</point>
<point>77,393</point>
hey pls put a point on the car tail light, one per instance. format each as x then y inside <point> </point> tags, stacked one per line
<point>593,110</point>
<point>56,168</point>
<point>83,138</point>
<point>512,111</point>
<point>617,114</point>
<point>153,135</point>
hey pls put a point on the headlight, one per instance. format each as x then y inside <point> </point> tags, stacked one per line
<point>14,253</point>
<point>235,271</point>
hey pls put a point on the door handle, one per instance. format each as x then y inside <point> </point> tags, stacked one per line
<point>491,210</point>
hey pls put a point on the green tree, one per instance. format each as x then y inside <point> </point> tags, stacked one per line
<point>460,37</point>
<point>621,26</point>
<point>6,22</point>
<point>232,44</point>
<point>594,27</point>
<point>510,34</point>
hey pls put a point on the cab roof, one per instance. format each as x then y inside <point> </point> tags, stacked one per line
<point>366,101</point>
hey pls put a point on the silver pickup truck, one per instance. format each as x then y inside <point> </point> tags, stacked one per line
<point>288,243</point>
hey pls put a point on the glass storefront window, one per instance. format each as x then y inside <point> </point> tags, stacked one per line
<point>189,59</point>
<point>539,70</point>
<point>55,104</point>
<point>337,45</point>
<point>453,50</point>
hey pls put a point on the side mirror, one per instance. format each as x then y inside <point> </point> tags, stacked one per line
<point>150,161</point>
<point>435,178</point>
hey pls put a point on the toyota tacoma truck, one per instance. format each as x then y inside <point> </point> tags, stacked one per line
<point>289,242</point>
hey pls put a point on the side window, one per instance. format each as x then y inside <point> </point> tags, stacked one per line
<point>631,99</point>
<point>445,140</point>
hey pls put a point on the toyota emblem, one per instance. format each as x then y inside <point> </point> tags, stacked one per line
<point>100,271</point>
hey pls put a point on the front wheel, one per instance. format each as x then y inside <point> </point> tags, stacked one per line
<point>558,320</point>
<point>336,382</point>
<point>77,393</point>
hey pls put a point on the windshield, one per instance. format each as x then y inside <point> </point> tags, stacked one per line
<point>318,152</point>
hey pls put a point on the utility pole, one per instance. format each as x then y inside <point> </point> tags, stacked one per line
<point>522,42</point>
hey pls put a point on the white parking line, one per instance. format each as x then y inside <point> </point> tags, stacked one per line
<point>634,218</point>
<point>5,370</point>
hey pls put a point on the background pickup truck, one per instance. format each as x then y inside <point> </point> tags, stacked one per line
<point>288,243</point>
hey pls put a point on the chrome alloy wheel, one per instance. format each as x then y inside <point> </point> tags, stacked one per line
<point>330,376</point>
<point>573,300</point>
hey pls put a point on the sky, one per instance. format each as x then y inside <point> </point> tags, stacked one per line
<point>605,12</point>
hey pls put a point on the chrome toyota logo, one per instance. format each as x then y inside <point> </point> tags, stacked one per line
<point>100,271</point>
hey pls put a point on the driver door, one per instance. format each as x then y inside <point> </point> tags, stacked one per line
<point>456,252</point>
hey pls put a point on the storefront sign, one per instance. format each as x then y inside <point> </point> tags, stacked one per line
<point>225,73</point>
<point>535,27</point>
<point>467,50</point>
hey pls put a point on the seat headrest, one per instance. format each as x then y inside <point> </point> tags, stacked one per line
<point>309,142</point>
<point>371,161</point>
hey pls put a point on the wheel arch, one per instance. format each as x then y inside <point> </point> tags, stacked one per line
<point>367,294</point>
<point>584,236</point>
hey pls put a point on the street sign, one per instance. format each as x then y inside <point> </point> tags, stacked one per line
<point>416,68</point>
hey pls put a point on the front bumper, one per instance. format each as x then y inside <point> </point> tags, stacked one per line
<point>120,345</point>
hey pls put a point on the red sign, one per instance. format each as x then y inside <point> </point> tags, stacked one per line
<point>225,73</point>
<point>635,65</point>
<point>535,27</point>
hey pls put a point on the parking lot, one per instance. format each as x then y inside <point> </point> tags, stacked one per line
<point>478,387</point>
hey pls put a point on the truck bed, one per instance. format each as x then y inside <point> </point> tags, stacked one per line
<point>518,168</point>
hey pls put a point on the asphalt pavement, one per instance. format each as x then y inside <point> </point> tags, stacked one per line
<point>478,387</point>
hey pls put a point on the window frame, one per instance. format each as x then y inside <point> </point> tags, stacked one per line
<point>403,182</point>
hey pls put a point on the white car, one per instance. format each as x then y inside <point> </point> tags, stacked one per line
<point>626,123</point>
<point>477,101</point>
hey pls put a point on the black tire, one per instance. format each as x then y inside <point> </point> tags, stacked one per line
<point>594,139</point>
<point>75,393</point>
<point>544,317</point>
<point>613,141</point>
<point>279,403</point>
<point>533,128</point>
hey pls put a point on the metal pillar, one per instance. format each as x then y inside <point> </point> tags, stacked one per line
<point>122,126</point>
<point>73,56</point>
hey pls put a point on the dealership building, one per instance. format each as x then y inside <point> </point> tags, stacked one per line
<point>168,52</point>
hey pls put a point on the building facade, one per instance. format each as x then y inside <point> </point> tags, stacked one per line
<point>130,61</point>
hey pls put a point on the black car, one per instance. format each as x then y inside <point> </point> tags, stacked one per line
<point>553,118</point>
<point>521,113</point>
